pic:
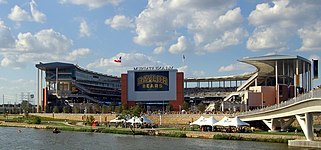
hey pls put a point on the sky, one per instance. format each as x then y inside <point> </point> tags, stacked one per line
<point>212,35</point>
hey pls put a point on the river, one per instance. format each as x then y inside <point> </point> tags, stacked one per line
<point>40,139</point>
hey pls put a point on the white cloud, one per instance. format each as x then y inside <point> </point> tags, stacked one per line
<point>36,14</point>
<point>213,25</point>
<point>128,61</point>
<point>311,36</point>
<point>180,47</point>
<point>18,14</point>
<point>92,4</point>
<point>12,63</point>
<point>45,40</point>
<point>159,50</point>
<point>278,22</point>
<point>268,38</point>
<point>45,45</point>
<point>6,39</point>
<point>236,67</point>
<point>81,52</point>
<point>120,22</point>
<point>229,38</point>
<point>84,29</point>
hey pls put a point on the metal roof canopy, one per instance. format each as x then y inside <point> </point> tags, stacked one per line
<point>61,65</point>
<point>222,78</point>
<point>266,64</point>
<point>265,67</point>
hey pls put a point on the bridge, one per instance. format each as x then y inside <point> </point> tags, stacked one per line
<point>280,116</point>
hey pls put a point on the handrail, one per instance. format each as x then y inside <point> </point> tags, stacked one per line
<point>306,96</point>
<point>247,82</point>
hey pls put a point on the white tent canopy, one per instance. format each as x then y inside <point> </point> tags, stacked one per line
<point>235,122</point>
<point>146,120</point>
<point>141,119</point>
<point>134,120</point>
<point>116,120</point>
<point>208,121</point>
<point>223,122</point>
<point>202,121</point>
<point>197,122</point>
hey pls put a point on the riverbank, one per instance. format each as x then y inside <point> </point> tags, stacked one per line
<point>64,126</point>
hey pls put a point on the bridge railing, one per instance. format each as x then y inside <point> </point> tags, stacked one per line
<point>309,95</point>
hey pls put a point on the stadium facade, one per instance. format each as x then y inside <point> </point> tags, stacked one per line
<point>69,83</point>
<point>276,79</point>
<point>153,88</point>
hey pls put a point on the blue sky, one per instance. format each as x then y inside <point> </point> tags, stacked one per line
<point>211,34</point>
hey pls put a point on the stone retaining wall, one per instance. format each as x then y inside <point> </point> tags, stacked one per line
<point>169,119</point>
<point>172,119</point>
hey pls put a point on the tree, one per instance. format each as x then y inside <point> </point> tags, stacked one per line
<point>76,109</point>
<point>104,109</point>
<point>39,108</point>
<point>169,107</point>
<point>56,109</point>
<point>47,109</point>
<point>137,110</point>
<point>15,109</point>
<point>109,108</point>
<point>124,107</point>
<point>97,108</point>
<point>25,106</point>
<point>217,106</point>
<point>90,120</point>
<point>118,109</point>
<point>66,109</point>
<point>185,106</point>
<point>89,109</point>
<point>201,107</point>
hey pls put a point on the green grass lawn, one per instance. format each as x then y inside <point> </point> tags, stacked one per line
<point>279,133</point>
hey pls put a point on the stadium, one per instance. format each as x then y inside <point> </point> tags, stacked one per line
<point>69,84</point>
<point>276,79</point>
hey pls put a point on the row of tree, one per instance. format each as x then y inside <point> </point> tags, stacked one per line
<point>97,108</point>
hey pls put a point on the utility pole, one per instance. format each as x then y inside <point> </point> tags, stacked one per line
<point>3,103</point>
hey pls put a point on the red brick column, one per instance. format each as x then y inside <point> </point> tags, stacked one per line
<point>124,89</point>
<point>179,91</point>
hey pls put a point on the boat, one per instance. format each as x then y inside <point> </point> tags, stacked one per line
<point>55,130</point>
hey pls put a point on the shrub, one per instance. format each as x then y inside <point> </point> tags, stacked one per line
<point>37,120</point>
<point>177,134</point>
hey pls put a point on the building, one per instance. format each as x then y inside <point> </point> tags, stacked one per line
<point>276,79</point>
<point>68,84</point>
<point>153,87</point>
<point>210,90</point>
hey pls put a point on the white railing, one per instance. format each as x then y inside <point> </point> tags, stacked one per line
<point>248,82</point>
<point>306,96</point>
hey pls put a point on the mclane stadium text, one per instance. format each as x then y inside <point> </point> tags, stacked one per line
<point>154,68</point>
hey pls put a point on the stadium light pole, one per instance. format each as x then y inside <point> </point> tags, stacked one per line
<point>3,103</point>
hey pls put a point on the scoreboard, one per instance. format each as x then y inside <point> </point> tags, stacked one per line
<point>152,84</point>
<point>152,81</point>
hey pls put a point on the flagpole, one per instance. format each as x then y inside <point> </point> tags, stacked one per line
<point>183,60</point>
